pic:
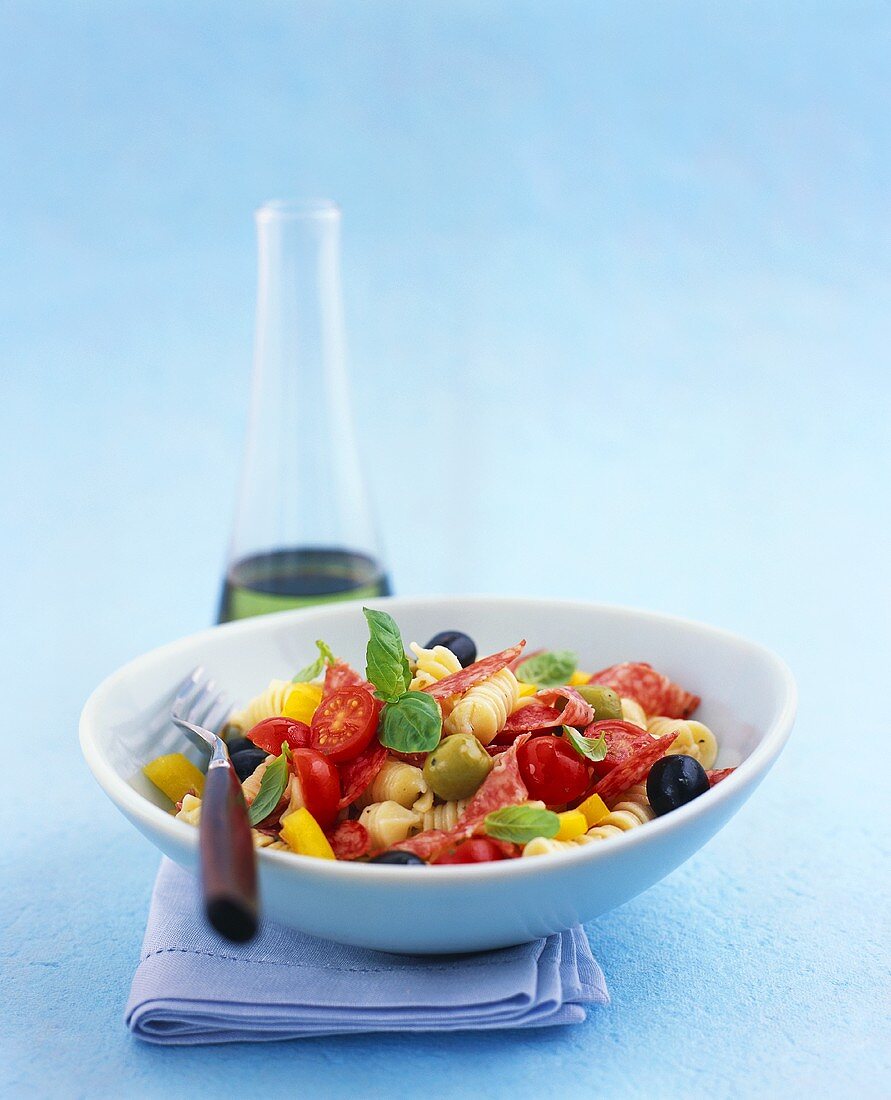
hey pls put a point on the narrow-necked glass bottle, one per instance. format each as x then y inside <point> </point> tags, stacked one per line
<point>304,530</point>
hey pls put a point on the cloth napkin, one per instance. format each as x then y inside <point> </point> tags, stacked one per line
<point>192,987</point>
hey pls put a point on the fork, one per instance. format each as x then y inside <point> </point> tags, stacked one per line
<point>228,863</point>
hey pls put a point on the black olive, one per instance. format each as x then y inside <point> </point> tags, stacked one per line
<point>462,645</point>
<point>674,781</point>
<point>237,743</point>
<point>246,761</point>
<point>397,857</point>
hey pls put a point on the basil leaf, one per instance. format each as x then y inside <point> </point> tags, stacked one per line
<point>412,723</point>
<point>592,749</point>
<point>386,665</point>
<point>272,787</point>
<point>520,824</point>
<point>311,671</point>
<point>548,669</point>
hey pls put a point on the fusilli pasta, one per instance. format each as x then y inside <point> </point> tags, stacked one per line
<point>483,710</point>
<point>268,704</point>
<point>631,810</point>
<point>432,665</point>
<point>398,782</point>
<point>250,788</point>
<point>634,713</point>
<point>443,816</point>
<point>542,846</point>
<point>387,823</point>
<point>693,739</point>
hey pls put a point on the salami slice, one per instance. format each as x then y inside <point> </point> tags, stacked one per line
<point>349,840</point>
<point>341,675</point>
<point>574,712</point>
<point>717,774</point>
<point>521,657</point>
<point>426,845</point>
<point>655,692</point>
<point>623,739</point>
<point>534,716</point>
<point>355,775</point>
<point>633,770</point>
<point>460,681</point>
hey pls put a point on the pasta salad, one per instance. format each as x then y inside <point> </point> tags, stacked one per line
<point>437,757</point>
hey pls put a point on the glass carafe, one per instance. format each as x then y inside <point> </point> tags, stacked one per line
<point>304,531</point>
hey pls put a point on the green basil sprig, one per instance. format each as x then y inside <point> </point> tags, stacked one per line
<point>272,787</point>
<point>592,748</point>
<point>411,721</point>
<point>549,669</point>
<point>385,660</point>
<point>520,824</point>
<point>311,671</point>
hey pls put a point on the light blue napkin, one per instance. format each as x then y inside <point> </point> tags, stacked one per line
<point>191,986</point>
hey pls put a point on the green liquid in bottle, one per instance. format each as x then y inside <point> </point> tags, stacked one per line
<point>283,579</point>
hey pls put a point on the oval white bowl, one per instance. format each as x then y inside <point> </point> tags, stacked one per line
<point>748,698</point>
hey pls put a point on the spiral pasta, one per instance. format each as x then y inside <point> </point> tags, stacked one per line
<point>632,809</point>
<point>444,816</point>
<point>483,709</point>
<point>432,665</point>
<point>634,713</point>
<point>190,811</point>
<point>542,846</point>
<point>268,704</point>
<point>398,782</point>
<point>250,788</point>
<point>693,738</point>
<point>387,823</point>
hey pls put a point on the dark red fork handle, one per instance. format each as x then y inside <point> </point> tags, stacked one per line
<point>228,865</point>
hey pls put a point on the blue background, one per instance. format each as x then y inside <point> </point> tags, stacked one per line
<point>619,301</point>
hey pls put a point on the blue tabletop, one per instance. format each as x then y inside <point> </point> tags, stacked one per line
<point>619,302</point>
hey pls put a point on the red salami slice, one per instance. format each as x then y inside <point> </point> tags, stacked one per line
<point>349,840</point>
<point>341,675</point>
<point>534,716</point>
<point>574,712</point>
<point>480,670</point>
<point>635,769</point>
<point>427,845</point>
<point>623,739</point>
<point>716,775</point>
<point>356,775</point>
<point>518,660</point>
<point>655,692</point>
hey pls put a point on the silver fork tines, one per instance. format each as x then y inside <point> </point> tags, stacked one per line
<point>200,710</point>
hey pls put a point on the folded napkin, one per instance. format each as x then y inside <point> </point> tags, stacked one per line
<point>191,986</point>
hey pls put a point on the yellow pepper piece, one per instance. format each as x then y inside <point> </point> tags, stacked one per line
<point>175,776</point>
<point>302,701</point>
<point>594,809</point>
<point>302,834</point>
<point>527,689</point>
<point>579,678</point>
<point>572,824</point>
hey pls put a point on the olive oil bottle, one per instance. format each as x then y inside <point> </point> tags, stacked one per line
<point>304,531</point>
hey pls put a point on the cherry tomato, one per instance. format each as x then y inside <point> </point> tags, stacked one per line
<point>552,770</point>
<point>319,784</point>
<point>344,724</point>
<point>271,733</point>
<point>478,849</point>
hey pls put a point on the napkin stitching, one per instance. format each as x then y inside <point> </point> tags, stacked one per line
<point>303,966</point>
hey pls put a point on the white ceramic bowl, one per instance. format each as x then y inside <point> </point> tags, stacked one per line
<point>748,698</point>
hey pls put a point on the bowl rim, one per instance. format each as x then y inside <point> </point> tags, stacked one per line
<point>136,805</point>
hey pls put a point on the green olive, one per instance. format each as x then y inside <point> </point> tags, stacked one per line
<point>604,700</point>
<point>457,766</point>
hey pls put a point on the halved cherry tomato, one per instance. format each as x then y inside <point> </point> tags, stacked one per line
<point>272,733</point>
<point>319,785</point>
<point>479,849</point>
<point>552,770</point>
<point>344,723</point>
